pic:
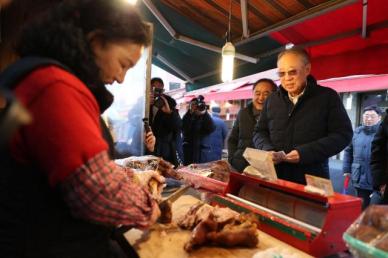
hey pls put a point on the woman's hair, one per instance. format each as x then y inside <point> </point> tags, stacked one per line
<point>62,34</point>
<point>269,81</point>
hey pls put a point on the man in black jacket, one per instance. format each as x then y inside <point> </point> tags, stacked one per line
<point>197,123</point>
<point>240,137</point>
<point>379,159</point>
<point>306,121</point>
<point>165,122</point>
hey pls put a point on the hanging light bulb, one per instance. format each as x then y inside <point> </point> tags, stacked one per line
<point>132,2</point>
<point>228,53</point>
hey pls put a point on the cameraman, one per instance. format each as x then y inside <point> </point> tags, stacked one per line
<point>165,122</point>
<point>197,124</point>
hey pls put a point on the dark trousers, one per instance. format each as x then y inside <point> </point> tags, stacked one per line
<point>364,194</point>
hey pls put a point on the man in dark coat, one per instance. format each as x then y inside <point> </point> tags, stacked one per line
<point>197,124</point>
<point>241,135</point>
<point>165,122</point>
<point>357,154</point>
<point>306,121</point>
<point>379,159</point>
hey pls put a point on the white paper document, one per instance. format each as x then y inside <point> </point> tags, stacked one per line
<point>261,164</point>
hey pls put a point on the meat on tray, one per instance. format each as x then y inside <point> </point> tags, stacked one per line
<point>218,170</point>
<point>219,226</point>
<point>150,162</point>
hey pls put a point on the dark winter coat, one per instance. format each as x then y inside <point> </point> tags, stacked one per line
<point>195,128</point>
<point>318,127</point>
<point>379,158</point>
<point>166,128</point>
<point>212,144</point>
<point>240,137</point>
<point>357,157</point>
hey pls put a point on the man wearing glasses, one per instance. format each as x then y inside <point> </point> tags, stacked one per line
<point>305,120</point>
<point>357,154</point>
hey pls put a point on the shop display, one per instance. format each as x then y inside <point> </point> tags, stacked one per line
<point>310,222</point>
<point>368,235</point>
<point>218,226</point>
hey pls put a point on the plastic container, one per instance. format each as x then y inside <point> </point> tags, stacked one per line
<point>360,249</point>
<point>368,235</point>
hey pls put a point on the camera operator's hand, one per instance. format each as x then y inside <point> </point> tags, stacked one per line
<point>200,113</point>
<point>166,108</point>
<point>150,140</point>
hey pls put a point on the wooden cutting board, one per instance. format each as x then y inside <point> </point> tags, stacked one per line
<point>163,242</point>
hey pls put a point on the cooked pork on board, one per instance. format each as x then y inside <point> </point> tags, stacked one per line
<point>219,226</point>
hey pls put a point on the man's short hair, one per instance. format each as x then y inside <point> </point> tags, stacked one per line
<point>157,79</point>
<point>373,108</point>
<point>271,82</point>
<point>297,51</point>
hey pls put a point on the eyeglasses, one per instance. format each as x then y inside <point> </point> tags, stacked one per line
<point>290,73</point>
<point>370,116</point>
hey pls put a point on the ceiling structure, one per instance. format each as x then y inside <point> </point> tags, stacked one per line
<point>189,35</point>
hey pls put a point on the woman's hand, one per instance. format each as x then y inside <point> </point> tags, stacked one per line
<point>150,140</point>
<point>152,181</point>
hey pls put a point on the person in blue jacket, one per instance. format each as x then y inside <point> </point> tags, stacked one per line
<point>357,154</point>
<point>212,144</point>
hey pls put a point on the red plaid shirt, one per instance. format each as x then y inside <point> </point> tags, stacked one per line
<point>105,193</point>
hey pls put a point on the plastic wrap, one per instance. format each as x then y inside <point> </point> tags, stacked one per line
<point>149,162</point>
<point>368,235</point>
<point>212,176</point>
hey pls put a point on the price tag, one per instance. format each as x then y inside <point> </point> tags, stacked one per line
<point>322,184</point>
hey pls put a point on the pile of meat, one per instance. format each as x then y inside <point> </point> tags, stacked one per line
<point>219,226</point>
<point>218,170</point>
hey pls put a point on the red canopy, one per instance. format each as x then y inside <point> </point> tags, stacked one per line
<point>346,84</point>
<point>346,52</point>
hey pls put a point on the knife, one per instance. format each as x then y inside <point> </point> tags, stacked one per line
<point>166,203</point>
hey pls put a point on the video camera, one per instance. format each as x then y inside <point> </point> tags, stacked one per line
<point>200,103</point>
<point>158,101</point>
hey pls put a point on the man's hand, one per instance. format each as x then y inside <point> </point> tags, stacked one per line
<point>150,140</point>
<point>276,158</point>
<point>166,108</point>
<point>292,157</point>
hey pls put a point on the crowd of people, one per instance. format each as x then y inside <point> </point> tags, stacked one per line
<point>61,179</point>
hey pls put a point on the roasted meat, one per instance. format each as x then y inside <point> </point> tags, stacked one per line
<point>244,234</point>
<point>167,169</point>
<point>219,226</point>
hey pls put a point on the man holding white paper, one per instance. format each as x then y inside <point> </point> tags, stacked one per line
<point>304,120</point>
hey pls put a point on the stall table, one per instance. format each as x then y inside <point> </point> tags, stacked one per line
<point>165,242</point>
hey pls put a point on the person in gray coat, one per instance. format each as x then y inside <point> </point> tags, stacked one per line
<point>241,135</point>
<point>357,154</point>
